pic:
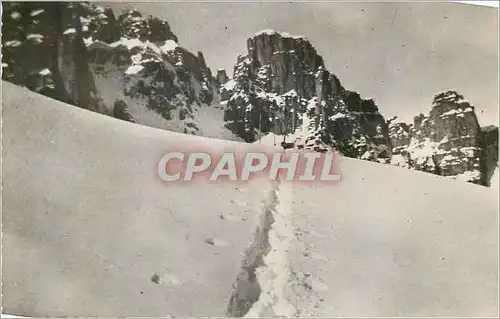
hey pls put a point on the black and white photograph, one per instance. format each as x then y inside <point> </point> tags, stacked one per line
<point>288,159</point>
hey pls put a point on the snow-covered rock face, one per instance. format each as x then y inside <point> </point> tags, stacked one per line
<point>131,67</point>
<point>400,136</point>
<point>133,25</point>
<point>281,86</point>
<point>43,49</point>
<point>447,142</point>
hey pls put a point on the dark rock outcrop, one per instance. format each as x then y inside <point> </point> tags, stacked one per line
<point>489,155</point>
<point>221,77</point>
<point>37,54</point>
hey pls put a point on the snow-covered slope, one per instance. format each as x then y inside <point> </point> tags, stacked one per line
<point>87,224</point>
<point>386,242</point>
<point>90,231</point>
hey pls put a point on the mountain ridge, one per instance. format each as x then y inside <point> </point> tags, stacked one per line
<point>132,67</point>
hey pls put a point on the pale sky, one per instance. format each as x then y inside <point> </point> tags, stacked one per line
<point>400,54</point>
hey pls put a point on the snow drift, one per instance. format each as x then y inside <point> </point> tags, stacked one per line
<point>90,231</point>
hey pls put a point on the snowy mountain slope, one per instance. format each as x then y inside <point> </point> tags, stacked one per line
<point>87,224</point>
<point>390,242</point>
<point>88,230</point>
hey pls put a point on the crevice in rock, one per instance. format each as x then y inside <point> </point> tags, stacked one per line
<point>247,289</point>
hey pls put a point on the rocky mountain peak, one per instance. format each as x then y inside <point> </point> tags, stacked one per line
<point>221,77</point>
<point>267,44</point>
<point>282,86</point>
<point>447,142</point>
<point>98,23</point>
<point>134,26</point>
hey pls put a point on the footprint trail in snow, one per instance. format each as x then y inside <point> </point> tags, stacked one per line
<point>272,281</point>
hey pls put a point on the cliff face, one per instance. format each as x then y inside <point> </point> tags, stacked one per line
<point>489,155</point>
<point>447,142</point>
<point>159,83</point>
<point>38,54</point>
<point>129,66</point>
<point>281,86</point>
